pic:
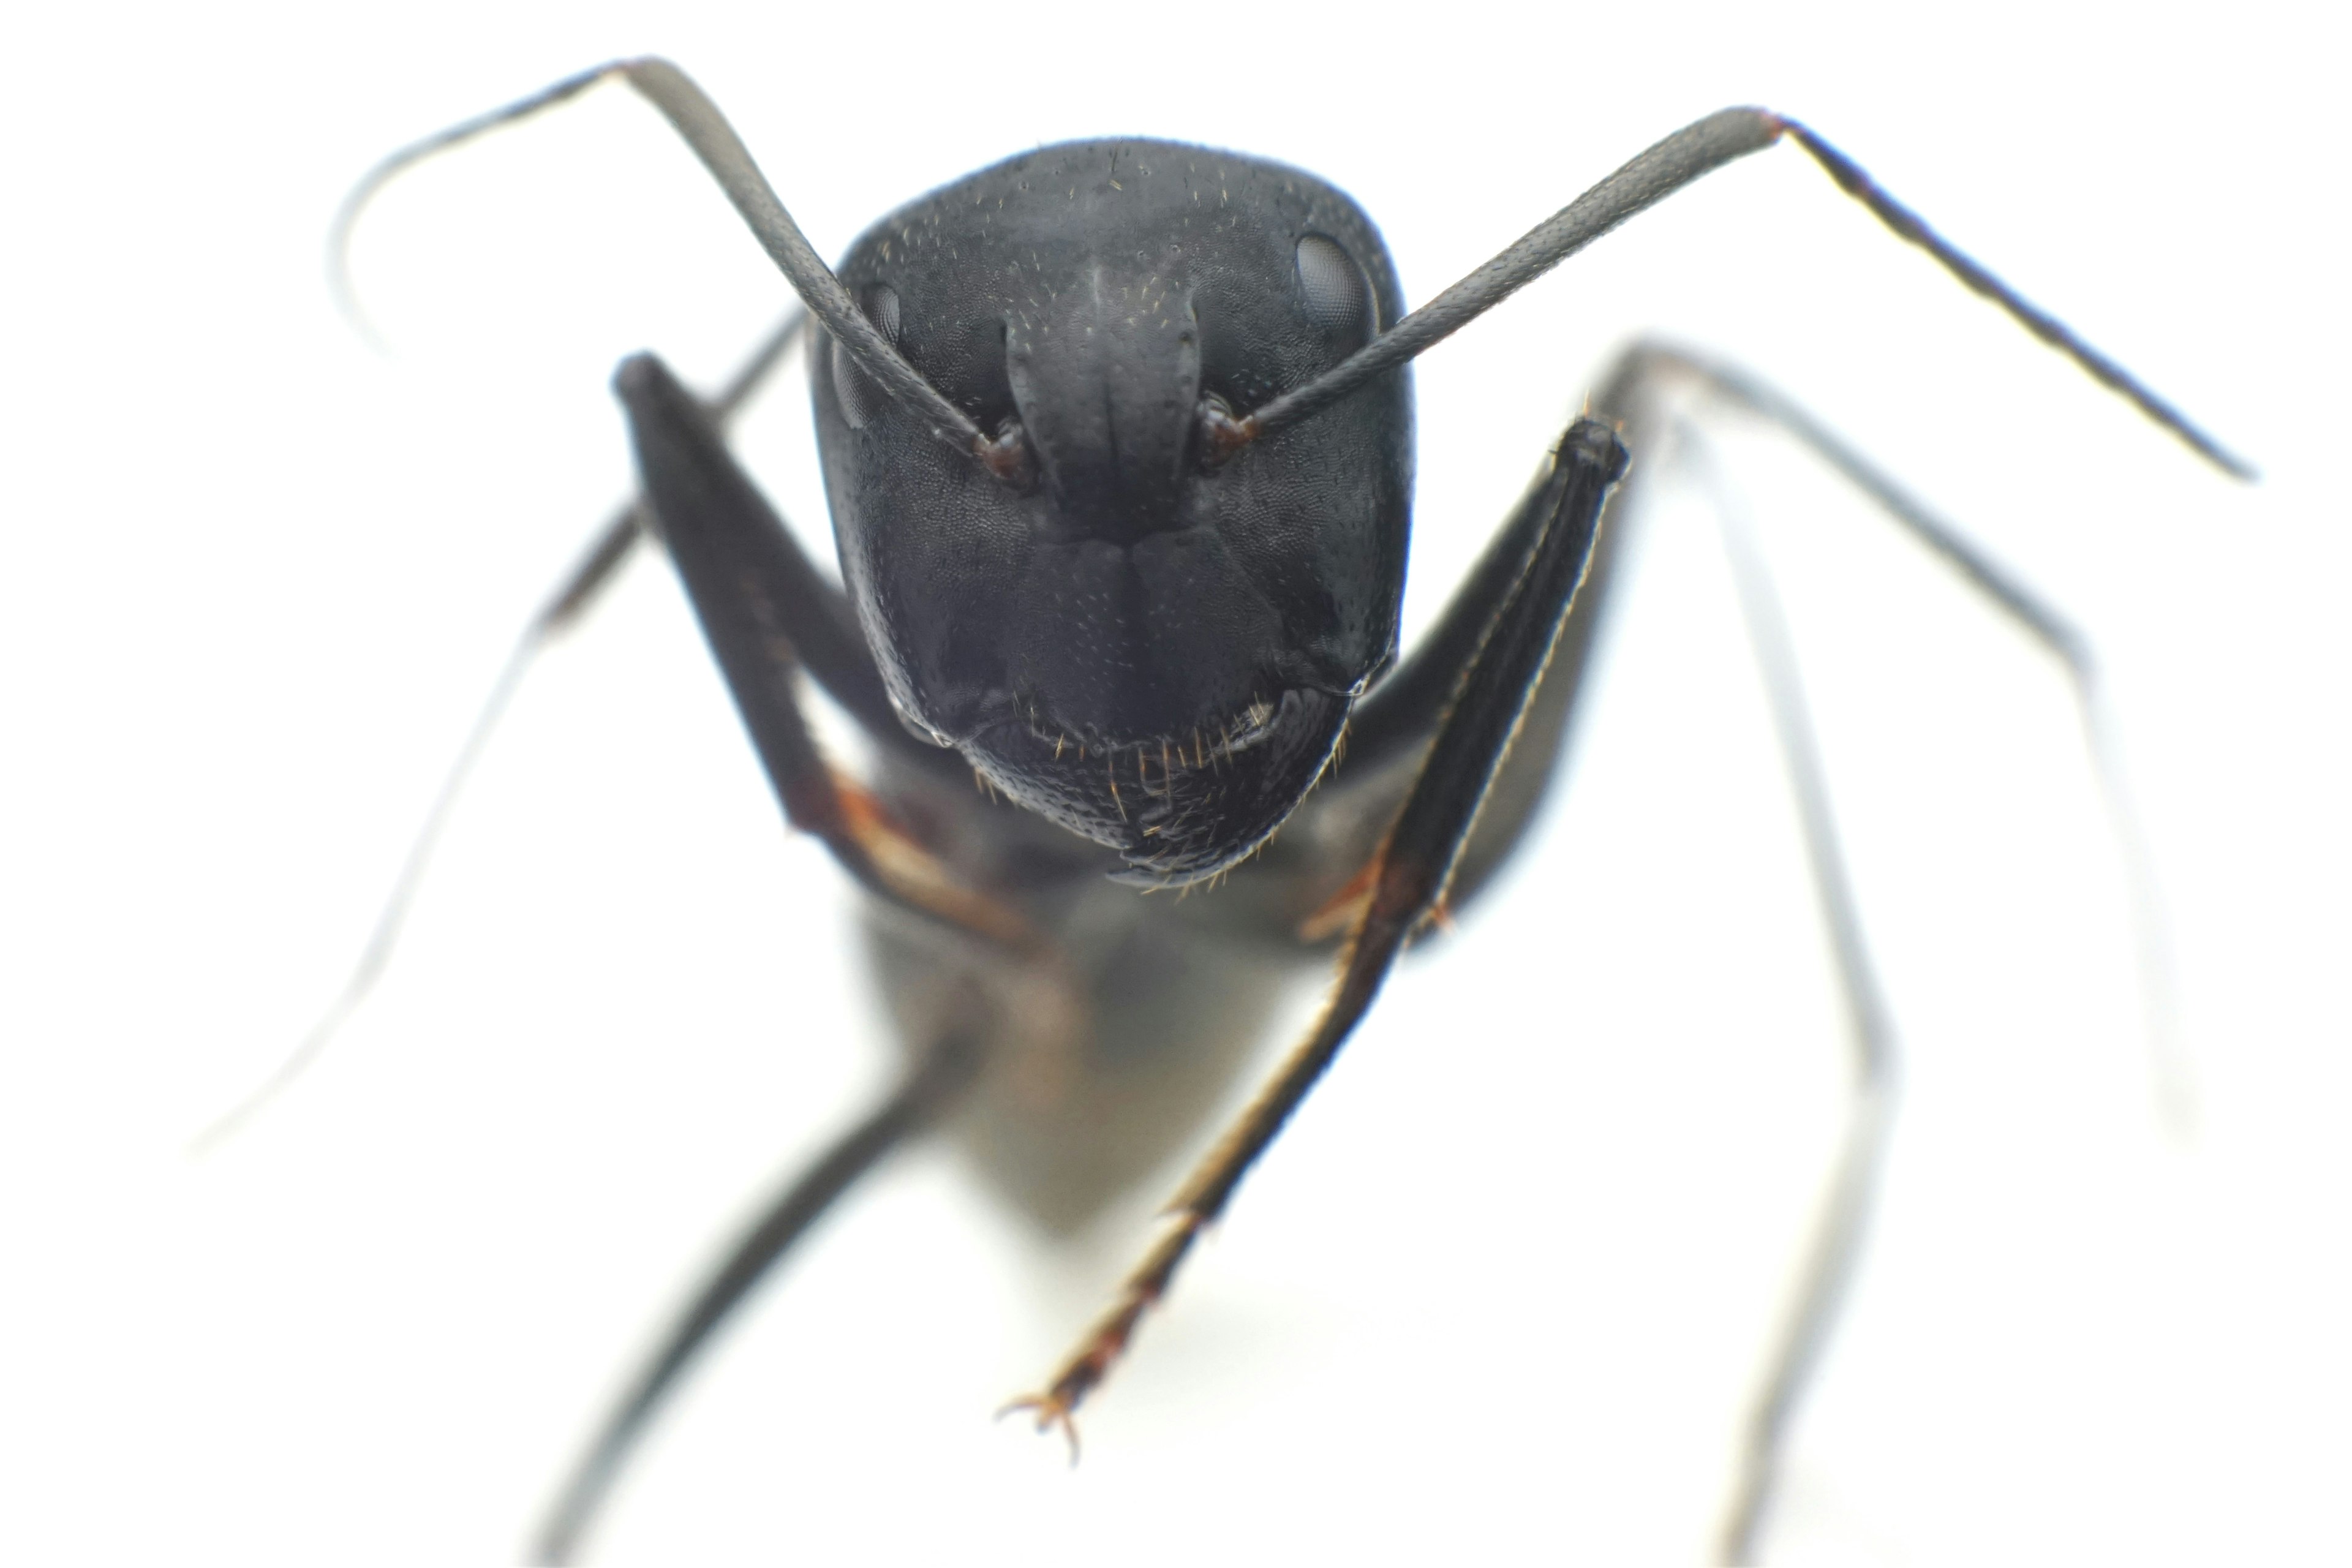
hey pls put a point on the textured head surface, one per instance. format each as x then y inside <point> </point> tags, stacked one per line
<point>1156,654</point>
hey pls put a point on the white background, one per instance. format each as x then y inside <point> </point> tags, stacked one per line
<point>1503,1289</point>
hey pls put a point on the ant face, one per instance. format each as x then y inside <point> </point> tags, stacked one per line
<point>1154,651</point>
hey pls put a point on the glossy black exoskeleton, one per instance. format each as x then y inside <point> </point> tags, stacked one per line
<point>1154,652</point>
<point>1118,440</point>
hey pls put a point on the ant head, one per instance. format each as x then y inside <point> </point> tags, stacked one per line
<point>1146,636</point>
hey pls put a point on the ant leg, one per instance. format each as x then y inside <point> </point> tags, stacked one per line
<point>1403,710</point>
<point>602,558</point>
<point>1630,393</point>
<point>1399,715</point>
<point>1633,394</point>
<point>2173,1076</point>
<point>767,613</point>
<point>1835,1247</point>
<point>1407,886</point>
<point>581,587</point>
<point>937,1082</point>
<point>693,484</point>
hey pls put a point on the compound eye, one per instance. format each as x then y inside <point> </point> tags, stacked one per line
<point>1333,292</point>
<point>861,399</point>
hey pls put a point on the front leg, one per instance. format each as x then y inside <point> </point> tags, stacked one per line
<point>766,613</point>
<point>1406,887</point>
